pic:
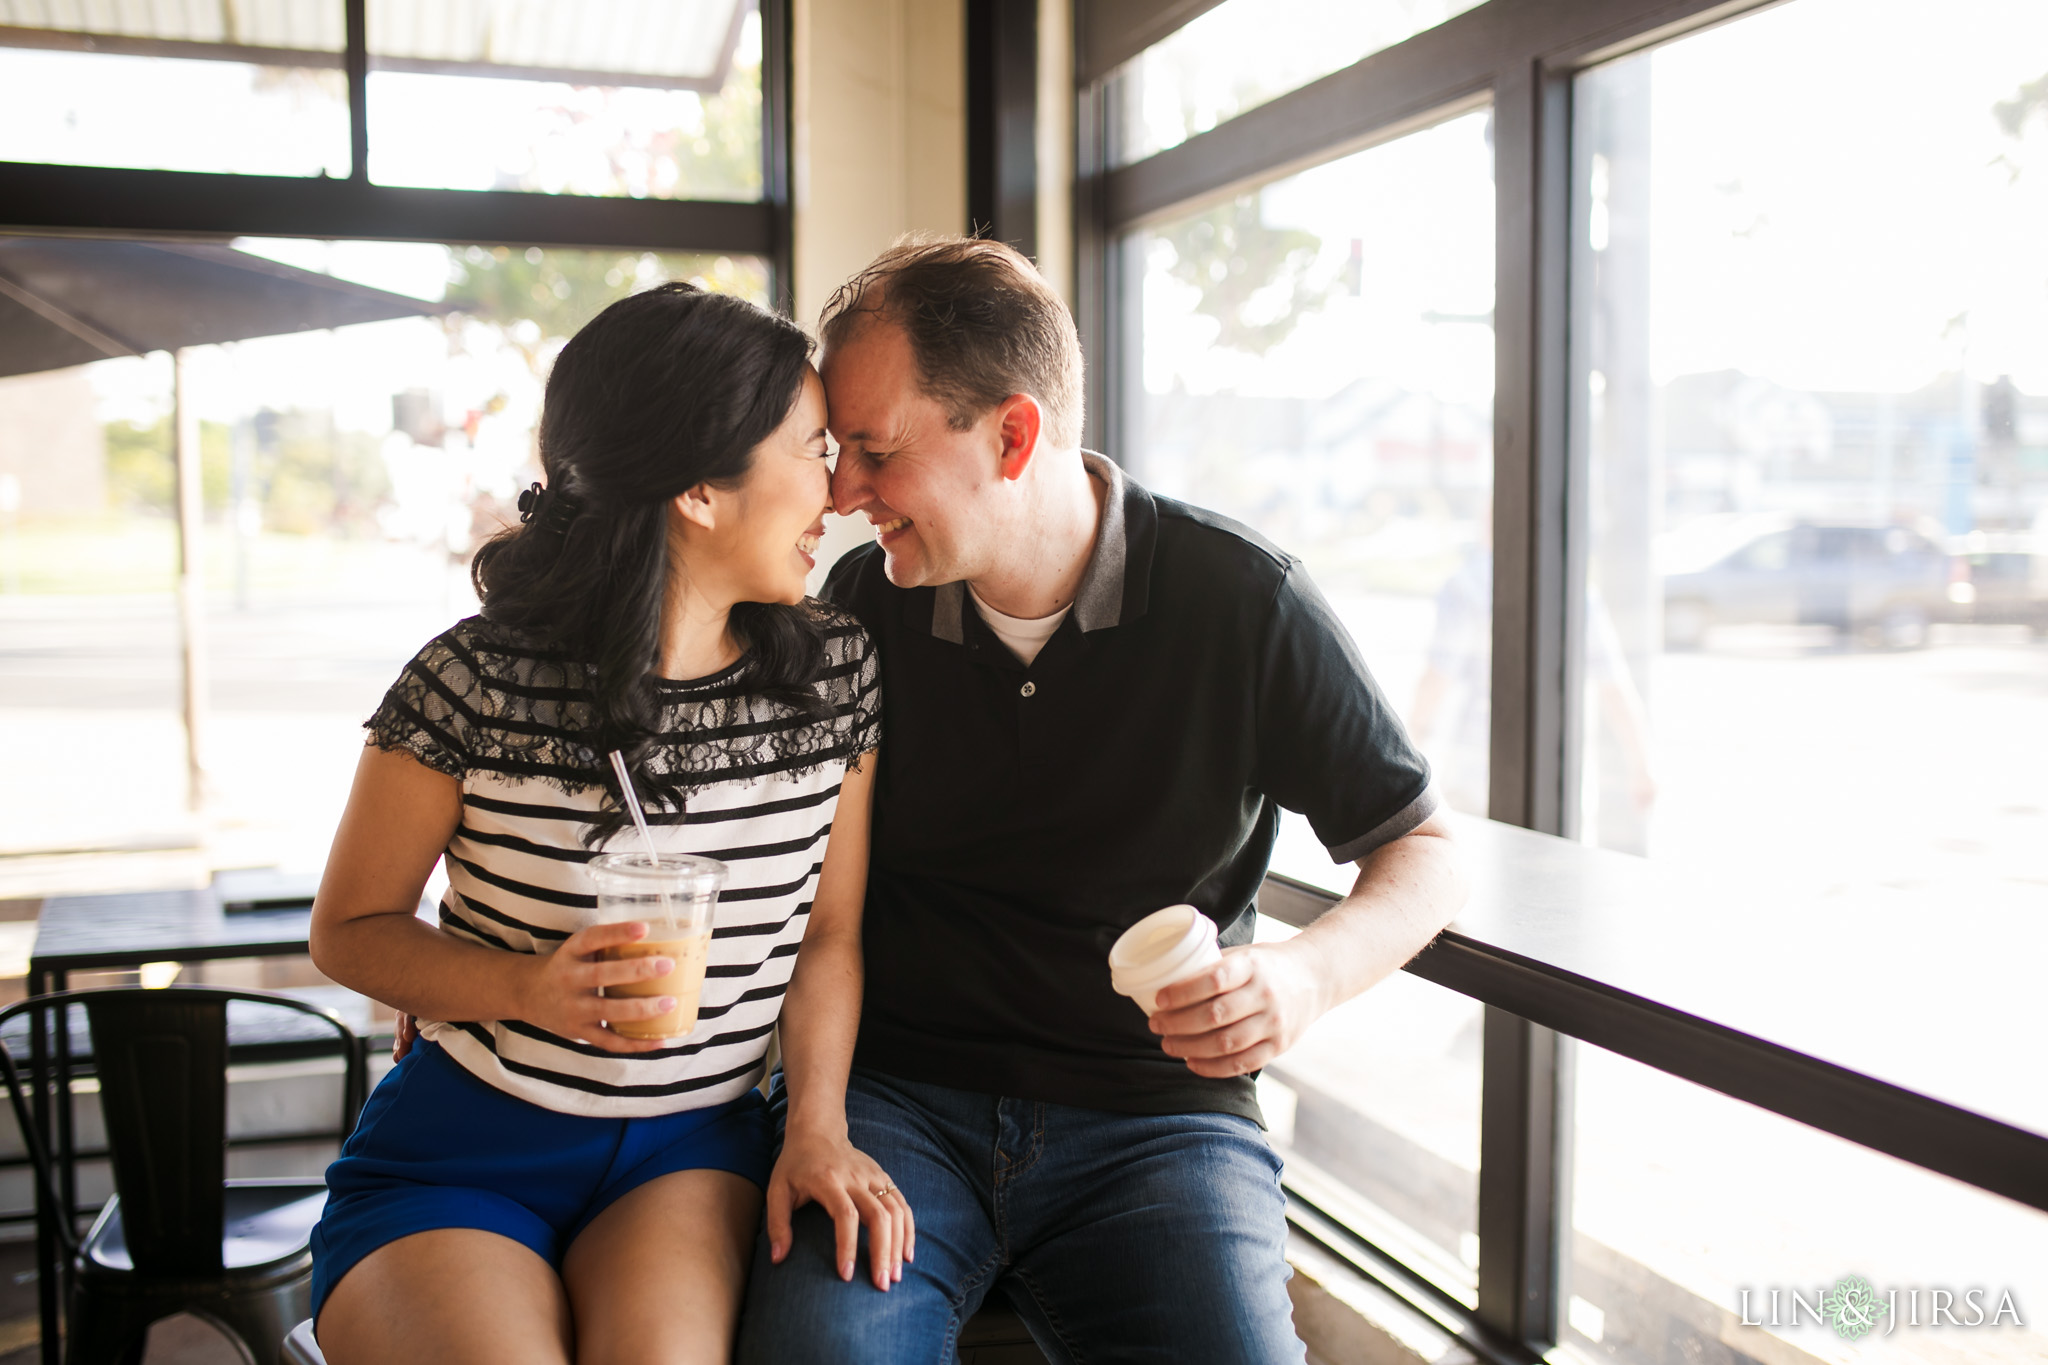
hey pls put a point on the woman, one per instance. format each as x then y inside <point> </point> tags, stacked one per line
<point>529,1185</point>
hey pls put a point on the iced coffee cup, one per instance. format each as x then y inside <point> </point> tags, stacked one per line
<point>675,894</point>
<point>1164,948</point>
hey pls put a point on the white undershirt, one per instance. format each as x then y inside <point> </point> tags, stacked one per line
<point>1024,638</point>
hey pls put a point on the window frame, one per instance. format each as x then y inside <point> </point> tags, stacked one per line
<point>60,200</point>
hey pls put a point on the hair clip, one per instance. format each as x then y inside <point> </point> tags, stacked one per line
<point>554,511</point>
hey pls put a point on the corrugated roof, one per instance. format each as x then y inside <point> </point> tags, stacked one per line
<point>311,25</point>
<point>645,37</point>
<point>685,43</point>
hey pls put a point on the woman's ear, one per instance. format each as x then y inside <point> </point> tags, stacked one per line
<point>695,505</point>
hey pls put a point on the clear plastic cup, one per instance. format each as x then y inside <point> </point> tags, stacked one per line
<point>677,895</point>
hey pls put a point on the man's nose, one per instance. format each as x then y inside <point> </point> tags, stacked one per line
<point>849,485</point>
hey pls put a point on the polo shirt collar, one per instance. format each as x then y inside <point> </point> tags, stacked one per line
<point>1115,587</point>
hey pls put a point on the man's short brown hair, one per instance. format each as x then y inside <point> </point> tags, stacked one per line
<point>982,324</point>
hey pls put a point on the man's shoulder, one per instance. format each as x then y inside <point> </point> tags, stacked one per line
<point>855,580</point>
<point>1195,541</point>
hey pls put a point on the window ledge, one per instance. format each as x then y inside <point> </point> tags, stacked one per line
<point>1866,1021</point>
<point>1345,1319</point>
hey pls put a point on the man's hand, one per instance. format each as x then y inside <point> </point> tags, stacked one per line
<point>404,1033</point>
<point>1243,1012</point>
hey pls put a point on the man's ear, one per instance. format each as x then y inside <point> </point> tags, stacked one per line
<point>1018,421</point>
<point>694,505</point>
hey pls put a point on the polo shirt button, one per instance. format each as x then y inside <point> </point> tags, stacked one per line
<point>1028,689</point>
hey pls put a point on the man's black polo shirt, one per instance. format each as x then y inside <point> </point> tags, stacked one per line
<point>1024,817</point>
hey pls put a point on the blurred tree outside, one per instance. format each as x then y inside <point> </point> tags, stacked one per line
<point>2028,103</point>
<point>2030,99</point>
<point>1254,280</point>
<point>141,476</point>
<point>536,299</point>
<point>304,475</point>
<point>712,151</point>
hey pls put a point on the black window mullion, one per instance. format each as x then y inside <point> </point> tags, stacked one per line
<point>776,152</point>
<point>1097,294</point>
<point>1002,121</point>
<point>1525,1124</point>
<point>43,198</point>
<point>1526,1096</point>
<point>356,61</point>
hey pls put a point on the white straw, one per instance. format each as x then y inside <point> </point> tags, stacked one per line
<point>640,822</point>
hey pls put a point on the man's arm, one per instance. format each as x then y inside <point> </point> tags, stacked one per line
<point>1258,1001</point>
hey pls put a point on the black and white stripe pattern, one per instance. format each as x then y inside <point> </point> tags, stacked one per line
<point>503,718</point>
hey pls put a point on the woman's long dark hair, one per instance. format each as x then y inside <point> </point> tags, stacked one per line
<point>659,393</point>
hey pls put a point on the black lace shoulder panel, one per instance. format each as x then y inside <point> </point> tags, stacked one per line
<point>478,696</point>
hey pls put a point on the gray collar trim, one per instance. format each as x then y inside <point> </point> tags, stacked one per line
<point>947,605</point>
<point>1100,601</point>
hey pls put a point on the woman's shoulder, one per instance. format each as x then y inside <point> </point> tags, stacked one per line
<point>851,679</point>
<point>490,652</point>
<point>850,665</point>
<point>488,674</point>
<point>846,639</point>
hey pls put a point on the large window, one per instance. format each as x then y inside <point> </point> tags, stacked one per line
<point>1811,389</point>
<point>1242,53</point>
<point>1673,437</point>
<point>647,101</point>
<point>204,86</point>
<point>1315,359</point>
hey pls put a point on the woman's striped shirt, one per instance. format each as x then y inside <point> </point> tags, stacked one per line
<point>507,720</point>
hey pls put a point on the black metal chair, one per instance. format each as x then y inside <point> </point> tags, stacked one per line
<point>178,1235</point>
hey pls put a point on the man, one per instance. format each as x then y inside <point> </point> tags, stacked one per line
<point>1095,703</point>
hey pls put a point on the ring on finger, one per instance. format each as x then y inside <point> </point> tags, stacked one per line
<point>883,1192</point>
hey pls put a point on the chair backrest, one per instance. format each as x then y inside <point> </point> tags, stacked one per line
<point>162,1059</point>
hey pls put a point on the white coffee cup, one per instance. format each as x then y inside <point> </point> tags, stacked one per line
<point>1165,947</point>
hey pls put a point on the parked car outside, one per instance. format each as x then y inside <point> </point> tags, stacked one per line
<point>1879,584</point>
<point>2001,578</point>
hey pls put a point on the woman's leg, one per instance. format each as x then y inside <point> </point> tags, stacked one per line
<point>453,1296</point>
<point>656,1279</point>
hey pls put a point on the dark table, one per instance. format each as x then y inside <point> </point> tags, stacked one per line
<point>81,933</point>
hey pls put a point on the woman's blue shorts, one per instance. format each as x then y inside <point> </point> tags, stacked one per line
<point>438,1148</point>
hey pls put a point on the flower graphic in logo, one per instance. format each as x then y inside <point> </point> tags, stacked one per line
<point>1852,1307</point>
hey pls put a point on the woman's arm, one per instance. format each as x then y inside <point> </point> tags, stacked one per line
<point>366,934</point>
<point>820,1017</point>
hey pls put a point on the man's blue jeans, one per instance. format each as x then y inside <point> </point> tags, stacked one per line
<point>1116,1236</point>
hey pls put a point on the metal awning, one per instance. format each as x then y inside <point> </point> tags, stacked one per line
<point>670,44</point>
<point>67,301</point>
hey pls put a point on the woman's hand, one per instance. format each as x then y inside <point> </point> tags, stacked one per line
<point>560,993</point>
<point>823,1167</point>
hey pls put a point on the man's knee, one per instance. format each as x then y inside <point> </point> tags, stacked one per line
<point>802,1311</point>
